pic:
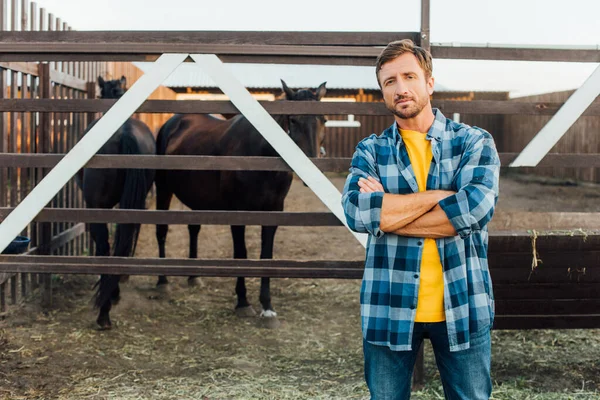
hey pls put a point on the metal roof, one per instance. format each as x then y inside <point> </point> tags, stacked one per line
<point>267,76</point>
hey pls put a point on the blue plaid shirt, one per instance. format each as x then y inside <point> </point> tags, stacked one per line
<point>465,160</point>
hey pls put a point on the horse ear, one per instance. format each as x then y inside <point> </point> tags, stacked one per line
<point>123,81</point>
<point>100,81</point>
<point>321,90</point>
<point>289,93</point>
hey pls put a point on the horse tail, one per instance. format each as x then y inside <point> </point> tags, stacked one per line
<point>107,287</point>
<point>133,196</point>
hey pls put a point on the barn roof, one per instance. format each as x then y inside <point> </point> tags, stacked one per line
<point>267,76</point>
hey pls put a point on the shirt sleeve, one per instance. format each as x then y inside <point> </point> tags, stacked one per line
<point>476,186</point>
<point>362,210</point>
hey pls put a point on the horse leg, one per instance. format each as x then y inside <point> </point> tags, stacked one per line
<point>193,231</point>
<point>243,308</point>
<point>99,233</point>
<point>163,201</point>
<point>266,252</point>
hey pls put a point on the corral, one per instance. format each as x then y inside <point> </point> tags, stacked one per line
<point>49,116</point>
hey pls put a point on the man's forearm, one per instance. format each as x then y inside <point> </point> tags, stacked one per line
<point>397,211</point>
<point>433,224</point>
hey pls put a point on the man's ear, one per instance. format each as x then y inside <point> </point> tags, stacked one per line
<point>430,85</point>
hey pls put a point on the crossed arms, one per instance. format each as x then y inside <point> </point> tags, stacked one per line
<point>468,207</point>
<point>416,214</point>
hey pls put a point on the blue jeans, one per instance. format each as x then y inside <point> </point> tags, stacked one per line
<point>465,374</point>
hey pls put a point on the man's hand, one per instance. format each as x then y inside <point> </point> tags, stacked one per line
<point>369,185</point>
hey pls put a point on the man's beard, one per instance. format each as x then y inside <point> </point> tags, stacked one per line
<point>411,111</point>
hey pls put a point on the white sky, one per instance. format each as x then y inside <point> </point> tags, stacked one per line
<point>551,22</point>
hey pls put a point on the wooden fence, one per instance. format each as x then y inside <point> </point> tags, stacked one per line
<point>28,132</point>
<point>509,249</point>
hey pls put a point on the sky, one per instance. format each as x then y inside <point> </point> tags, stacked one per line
<point>533,22</point>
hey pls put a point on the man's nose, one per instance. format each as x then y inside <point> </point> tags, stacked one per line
<point>401,88</point>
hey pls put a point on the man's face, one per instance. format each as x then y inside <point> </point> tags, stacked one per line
<point>405,88</point>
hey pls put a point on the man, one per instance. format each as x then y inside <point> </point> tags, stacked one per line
<point>424,190</point>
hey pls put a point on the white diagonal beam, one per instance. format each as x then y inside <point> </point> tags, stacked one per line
<point>551,133</point>
<point>87,147</point>
<point>272,132</point>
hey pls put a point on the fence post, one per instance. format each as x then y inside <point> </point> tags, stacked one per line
<point>44,147</point>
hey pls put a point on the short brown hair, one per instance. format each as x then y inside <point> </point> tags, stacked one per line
<point>395,49</point>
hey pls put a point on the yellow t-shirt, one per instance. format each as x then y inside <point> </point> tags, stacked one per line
<point>430,303</point>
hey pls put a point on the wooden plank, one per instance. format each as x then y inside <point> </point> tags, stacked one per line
<point>548,291</point>
<point>184,217</point>
<point>13,172</point>
<point>515,54</point>
<point>45,229</point>
<point>575,272</point>
<point>246,58</point>
<point>521,241</point>
<point>3,117</point>
<point>231,54</point>
<point>521,322</point>
<point>424,40</point>
<point>25,174</point>
<point>185,262</point>
<point>309,38</point>
<point>8,48</point>
<point>227,163</point>
<point>545,221</point>
<point>67,80</point>
<point>547,307</point>
<point>125,269</point>
<point>553,160</point>
<point>199,163</point>
<point>505,107</point>
<point>26,68</point>
<point>517,243</point>
<point>281,107</point>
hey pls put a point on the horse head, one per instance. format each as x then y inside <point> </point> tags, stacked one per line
<point>308,131</point>
<point>112,89</point>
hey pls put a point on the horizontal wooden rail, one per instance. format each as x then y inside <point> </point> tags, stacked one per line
<point>515,53</point>
<point>501,222</point>
<point>184,217</point>
<point>283,107</point>
<point>201,163</point>
<point>228,163</point>
<point>58,77</point>
<point>296,38</point>
<point>546,307</point>
<point>521,322</point>
<point>501,265</point>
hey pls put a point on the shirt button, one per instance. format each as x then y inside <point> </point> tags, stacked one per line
<point>419,243</point>
<point>412,307</point>
<point>416,276</point>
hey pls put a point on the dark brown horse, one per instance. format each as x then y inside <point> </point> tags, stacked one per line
<point>105,188</point>
<point>233,190</point>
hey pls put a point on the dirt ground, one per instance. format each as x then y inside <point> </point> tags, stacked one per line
<point>187,343</point>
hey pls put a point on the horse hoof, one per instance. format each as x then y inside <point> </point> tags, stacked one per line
<point>163,288</point>
<point>245,312</point>
<point>269,322</point>
<point>193,282</point>
<point>104,325</point>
